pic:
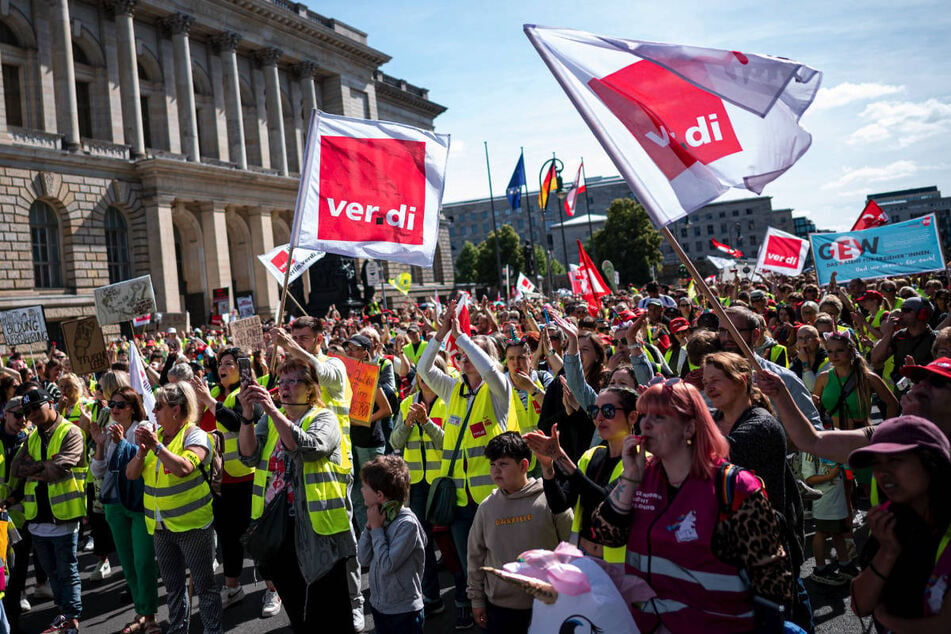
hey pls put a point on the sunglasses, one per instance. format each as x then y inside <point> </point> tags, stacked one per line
<point>608,411</point>
<point>16,413</point>
<point>117,404</point>
<point>667,383</point>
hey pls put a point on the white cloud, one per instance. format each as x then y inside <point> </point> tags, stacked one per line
<point>907,122</point>
<point>848,92</point>
<point>864,176</point>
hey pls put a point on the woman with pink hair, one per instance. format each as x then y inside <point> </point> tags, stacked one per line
<point>698,530</point>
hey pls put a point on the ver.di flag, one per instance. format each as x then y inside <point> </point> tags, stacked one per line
<point>782,252</point>
<point>370,189</point>
<point>578,188</point>
<point>275,261</point>
<point>524,285</point>
<point>683,124</point>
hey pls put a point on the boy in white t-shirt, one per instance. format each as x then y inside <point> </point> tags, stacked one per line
<point>832,519</point>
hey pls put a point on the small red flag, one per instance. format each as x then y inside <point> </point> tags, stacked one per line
<point>592,284</point>
<point>578,188</point>
<point>871,216</point>
<point>731,251</point>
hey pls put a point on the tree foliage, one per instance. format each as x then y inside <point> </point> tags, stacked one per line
<point>510,253</point>
<point>466,263</point>
<point>557,268</point>
<point>629,240</point>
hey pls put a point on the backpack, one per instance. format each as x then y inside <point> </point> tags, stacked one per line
<point>214,475</point>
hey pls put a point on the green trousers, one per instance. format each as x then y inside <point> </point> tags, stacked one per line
<point>136,550</point>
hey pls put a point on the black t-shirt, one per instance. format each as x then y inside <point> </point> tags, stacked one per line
<point>918,347</point>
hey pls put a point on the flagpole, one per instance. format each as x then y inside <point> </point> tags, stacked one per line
<point>272,362</point>
<point>528,205</point>
<point>495,229</point>
<point>587,205</point>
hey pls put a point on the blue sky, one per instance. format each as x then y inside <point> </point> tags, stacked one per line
<point>882,120</point>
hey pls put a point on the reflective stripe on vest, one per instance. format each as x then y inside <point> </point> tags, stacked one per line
<point>231,458</point>
<point>325,484</point>
<point>181,503</point>
<point>419,440</point>
<point>67,497</point>
<point>471,470</point>
<point>527,417</point>
<point>615,554</point>
<point>340,409</point>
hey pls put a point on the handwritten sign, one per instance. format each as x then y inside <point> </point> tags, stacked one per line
<point>363,378</point>
<point>23,325</point>
<point>86,345</point>
<point>247,334</point>
<point>124,301</point>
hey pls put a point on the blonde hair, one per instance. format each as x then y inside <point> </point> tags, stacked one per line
<point>181,394</point>
<point>112,381</point>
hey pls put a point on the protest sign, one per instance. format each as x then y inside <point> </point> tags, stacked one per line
<point>23,325</point>
<point>85,345</point>
<point>245,306</point>
<point>782,252</point>
<point>363,378</point>
<point>275,261</point>
<point>247,334</point>
<point>903,248</point>
<point>124,301</point>
<point>370,189</point>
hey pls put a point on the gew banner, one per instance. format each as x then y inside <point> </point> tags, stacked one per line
<point>903,248</point>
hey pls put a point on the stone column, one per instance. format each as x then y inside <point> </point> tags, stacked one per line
<point>266,295</point>
<point>129,77</point>
<point>305,70</point>
<point>178,25</point>
<point>275,116</point>
<point>158,217</point>
<point>227,43</point>
<point>214,231</point>
<point>67,112</point>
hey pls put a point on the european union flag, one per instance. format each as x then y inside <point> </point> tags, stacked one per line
<point>514,191</point>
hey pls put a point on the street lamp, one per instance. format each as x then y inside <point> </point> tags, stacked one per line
<point>558,166</point>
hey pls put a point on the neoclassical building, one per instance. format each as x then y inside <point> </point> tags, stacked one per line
<point>165,137</point>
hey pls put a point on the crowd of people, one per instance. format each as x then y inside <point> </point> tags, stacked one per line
<point>645,431</point>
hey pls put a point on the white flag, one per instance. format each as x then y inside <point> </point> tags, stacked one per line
<point>140,382</point>
<point>275,261</point>
<point>683,124</point>
<point>524,285</point>
<point>371,189</point>
<point>782,252</point>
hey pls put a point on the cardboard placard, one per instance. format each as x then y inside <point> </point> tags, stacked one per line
<point>85,345</point>
<point>124,301</point>
<point>363,378</point>
<point>23,325</point>
<point>247,334</point>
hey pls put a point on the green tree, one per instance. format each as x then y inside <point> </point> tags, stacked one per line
<point>557,268</point>
<point>510,251</point>
<point>466,263</point>
<point>629,240</point>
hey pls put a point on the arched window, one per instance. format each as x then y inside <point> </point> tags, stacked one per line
<point>44,235</point>
<point>117,246</point>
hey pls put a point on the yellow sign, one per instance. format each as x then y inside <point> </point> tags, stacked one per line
<point>402,283</point>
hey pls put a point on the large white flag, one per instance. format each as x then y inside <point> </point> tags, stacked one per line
<point>782,252</point>
<point>140,381</point>
<point>370,189</point>
<point>275,261</point>
<point>683,124</point>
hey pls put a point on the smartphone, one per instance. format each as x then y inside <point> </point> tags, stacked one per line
<point>244,366</point>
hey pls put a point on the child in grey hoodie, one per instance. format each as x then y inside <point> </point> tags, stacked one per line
<point>393,547</point>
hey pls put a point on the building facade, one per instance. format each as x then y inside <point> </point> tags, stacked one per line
<point>471,220</point>
<point>166,137</point>
<point>906,204</point>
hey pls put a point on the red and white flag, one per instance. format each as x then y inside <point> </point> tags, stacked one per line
<point>782,252</point>
<point>683,124</point>
<point>871,216</point>
<point>524,285</point>
<point>139,381</point>
<point>578,188</point>
<point>731,251</point>
<point>578,280</point>
<point>275,261</point>
<point>144,320</point>
<point>593,285</point>
<point>370,189</point>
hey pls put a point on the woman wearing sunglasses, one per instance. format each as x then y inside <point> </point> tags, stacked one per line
<point>706,563</point>
<point>585,485</point>
<point>122,502</point>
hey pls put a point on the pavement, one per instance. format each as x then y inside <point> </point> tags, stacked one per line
<point>105,611</point>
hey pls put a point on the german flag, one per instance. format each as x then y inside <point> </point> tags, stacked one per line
<point>550,184</point>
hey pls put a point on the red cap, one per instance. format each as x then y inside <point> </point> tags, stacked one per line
<point>679,324</point>
<point>869,295</point>
<point>940,367</point>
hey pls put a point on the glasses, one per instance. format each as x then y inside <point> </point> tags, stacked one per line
<point>460,358</point>
<point>117,404</point>
<point>608,410</point>
<point>290,382</point>
<point>16,413</point>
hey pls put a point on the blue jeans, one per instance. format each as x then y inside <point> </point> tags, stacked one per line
<point>58,558</point>
<point>417,503</point>
<point>461,525</point>
<point>361,456</point>
<point>402,623</point>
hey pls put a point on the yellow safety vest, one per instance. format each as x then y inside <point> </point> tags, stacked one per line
<point>7,486</point>
<point>418,441</point>
<point>414,356</point>
<point>471,470</point>
<point>231,459</point>
<point>612,554</point>
<point>527,416</point>
<point>325,485</point>
<point>182,504</point>
<point>67,496</point>
<point>340,409</point>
